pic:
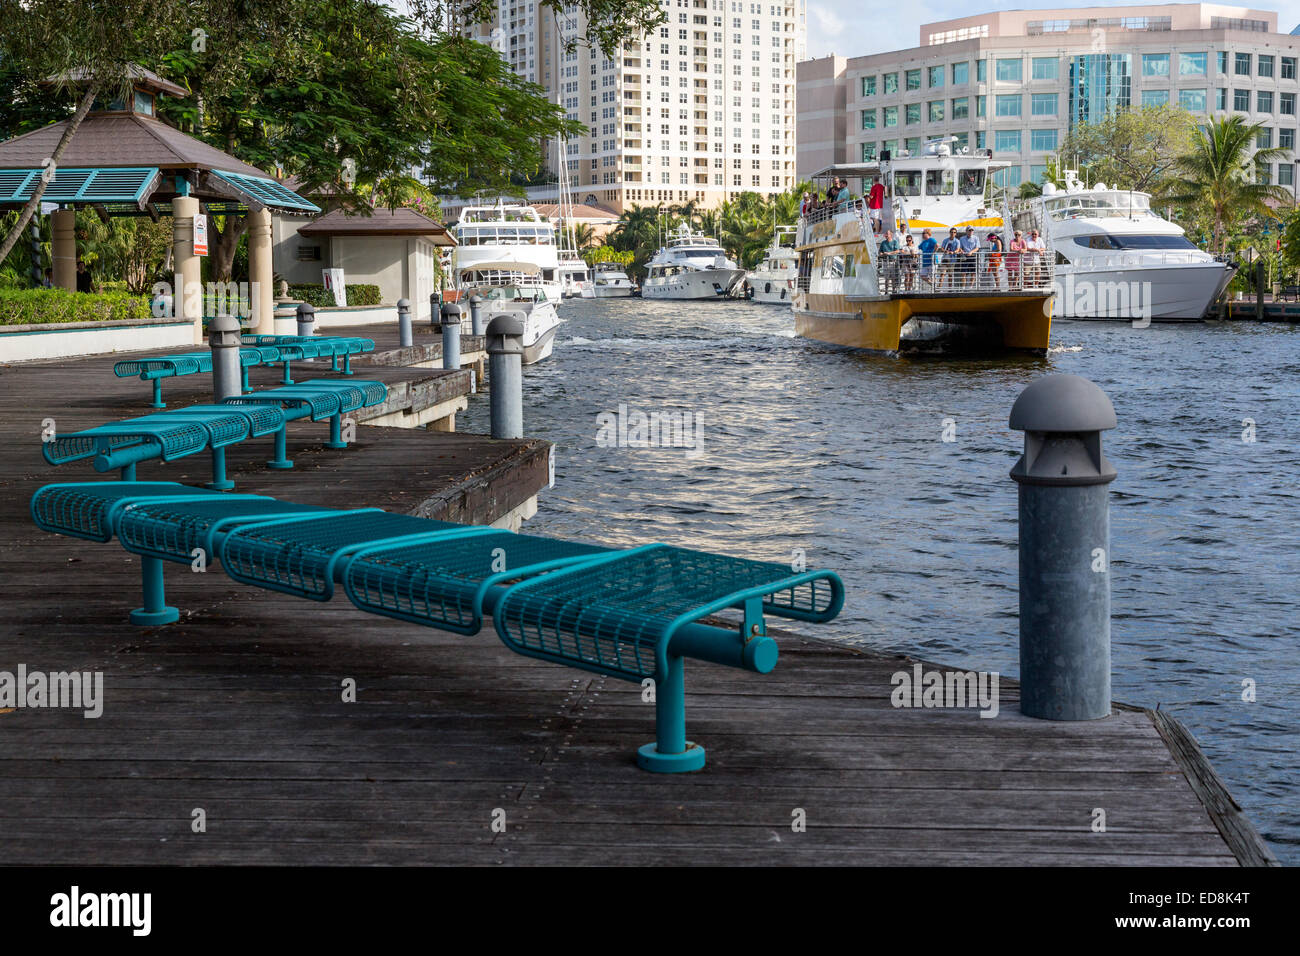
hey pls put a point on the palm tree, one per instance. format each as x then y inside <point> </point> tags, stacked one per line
<point>1222,170</point>
<point>584,236</point>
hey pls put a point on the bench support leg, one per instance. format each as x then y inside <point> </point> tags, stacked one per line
<point>157,394</point>
<point>155,611</point>
<point>247,387</point>
<point>281,450</point>
<point>671,752</point>
<point>128,472</point>
<point>286,380</point>
<point>334,361</point>
<point>336,432</point>
<point>219,480</point>
<point>347,363</point>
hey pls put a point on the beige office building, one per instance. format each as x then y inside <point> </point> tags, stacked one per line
<point>700,109</point>
<point>1016,81</point>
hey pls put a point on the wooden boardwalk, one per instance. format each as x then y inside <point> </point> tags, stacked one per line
<point>238,710</point>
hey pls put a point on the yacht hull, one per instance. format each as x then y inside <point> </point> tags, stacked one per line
<point>696,284</point>
<point>1170,293</point>
<point>1003,321</point>
<point>772,290</point>
<point>612,292</point>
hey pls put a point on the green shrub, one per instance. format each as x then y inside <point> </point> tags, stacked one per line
<point>33,306</point>
<point>319,296</point>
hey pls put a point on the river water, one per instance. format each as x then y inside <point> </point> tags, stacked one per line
<point>842,454</point>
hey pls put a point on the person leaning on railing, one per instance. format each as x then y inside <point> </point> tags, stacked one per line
<point>888,250</point>
<point>1036,250</point>
<point>927,249</point>
<point>907,258</point>
<point>995,258</point>
<point>1014,255</point>
<point>951,249</point>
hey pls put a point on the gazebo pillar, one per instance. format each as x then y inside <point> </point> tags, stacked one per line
<point>260,273</point>
<point>63,252</point>
<point>188,294</point>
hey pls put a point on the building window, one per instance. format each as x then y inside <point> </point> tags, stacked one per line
<point>980,103</point>
<point>912,144</point>
<point>1037,173</point>
<point>891,83</point>
<point>1242,67</point>
<point>1265,65</point>
<point>890,116</point>
<point>1288,67</point>
<point>936,77</point>
<point>1286,174</point>
<point>1192,64</point>
<point>1008,178</point>
<point>980,71</point>
<point>889,146</point>
<point>913,79</point>
<point>1006,140</point>
<point>1100,83</point>
<point>309,254</point>
<point>1221,60</point>
<point>868,152</point>
<point>961,141</point>
<point>1286,104</point>
<point>1007,104</point>
<point>961,73</point>
<point>1286,139</point>
<point>1045,68</point>
<point>1193,100</point>
<point>1264,138</point>
<point>868,119</point>
<point>981,139</point>
<point>1009,71</point>
<point>1264,101</point>
<point>1263,173</point>
<point>869,85</point>
<point>1155,97</point>
<point>1241,101</point>
<point>1155,64</point>
<point>961,108</point>
<point>935,111</point>
<point>1043,104</point>
<point>913,113</point>
<point>1042,140</point>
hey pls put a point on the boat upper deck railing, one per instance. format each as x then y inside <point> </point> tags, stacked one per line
<point>982,271</point>
<point>829,210</point>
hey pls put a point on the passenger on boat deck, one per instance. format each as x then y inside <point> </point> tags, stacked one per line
<point>970,247</point>
<point>927,247</point>
<point>876,199</point>
<point>840,191</point>
<point>995,256</point>
<point>1014,251</point>
<point>806,205</point>
<point>951,249</point>
<point>1035,248</point>
<point>907,257</point>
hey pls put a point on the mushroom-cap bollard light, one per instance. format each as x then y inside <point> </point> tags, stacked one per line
<point>505,348</point>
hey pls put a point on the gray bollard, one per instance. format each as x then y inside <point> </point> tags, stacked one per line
<point>435,309</point>
<point>476,314</point>
<point>404,338</point>
<point>451,335</point>
<point>505,348</point>
<point>1064,548</point>
<point>306,319</point>
<point>224,337</point>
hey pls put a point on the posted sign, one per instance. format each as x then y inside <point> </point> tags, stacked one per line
<point>200,235</point>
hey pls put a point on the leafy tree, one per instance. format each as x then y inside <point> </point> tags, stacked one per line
<point>1220,173</point>
<point>1131,149</point>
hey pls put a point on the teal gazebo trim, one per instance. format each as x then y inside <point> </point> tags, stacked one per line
<point>126,184</point>
<point>266,191</point>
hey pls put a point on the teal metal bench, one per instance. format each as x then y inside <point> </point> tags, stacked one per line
<point>191,363</point>
<point>317,399</point>
<point>179,432</point>
<point>634,615</point>
<point>313,346</point>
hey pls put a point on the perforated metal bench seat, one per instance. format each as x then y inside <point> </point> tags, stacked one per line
<point>157,368</point>
<point>633,614</point>
<point>318,399</point>
<point>314,346</point>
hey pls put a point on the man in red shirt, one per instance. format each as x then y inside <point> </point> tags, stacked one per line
<point>876,198</point>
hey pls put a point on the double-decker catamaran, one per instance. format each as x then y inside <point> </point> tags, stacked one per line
<point>850,293</point>
<point>506,253</point>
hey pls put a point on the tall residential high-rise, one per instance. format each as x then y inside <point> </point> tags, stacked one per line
<point>702,108</point>
<point>1017,81</point>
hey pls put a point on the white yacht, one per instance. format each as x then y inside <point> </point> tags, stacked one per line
<point>509,237</point>
<point>1117,259</point>
<point>574,277</point>
<point>690,266</point>
<point>504,292</point>
<point>608,281</point>
<point>773,282</point>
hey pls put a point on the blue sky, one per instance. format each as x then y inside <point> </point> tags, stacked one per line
<point>859,27</point>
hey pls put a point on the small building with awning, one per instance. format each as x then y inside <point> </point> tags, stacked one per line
<point>124,161</point>
<point>395,249</point>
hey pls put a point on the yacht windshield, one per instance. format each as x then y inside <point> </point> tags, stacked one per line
<point>972,182</point>
<point>938,182</point>
<point>1104,241</point>
<point>907,182</point>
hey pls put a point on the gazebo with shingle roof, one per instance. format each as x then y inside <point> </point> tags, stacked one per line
<point>123,160</point>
